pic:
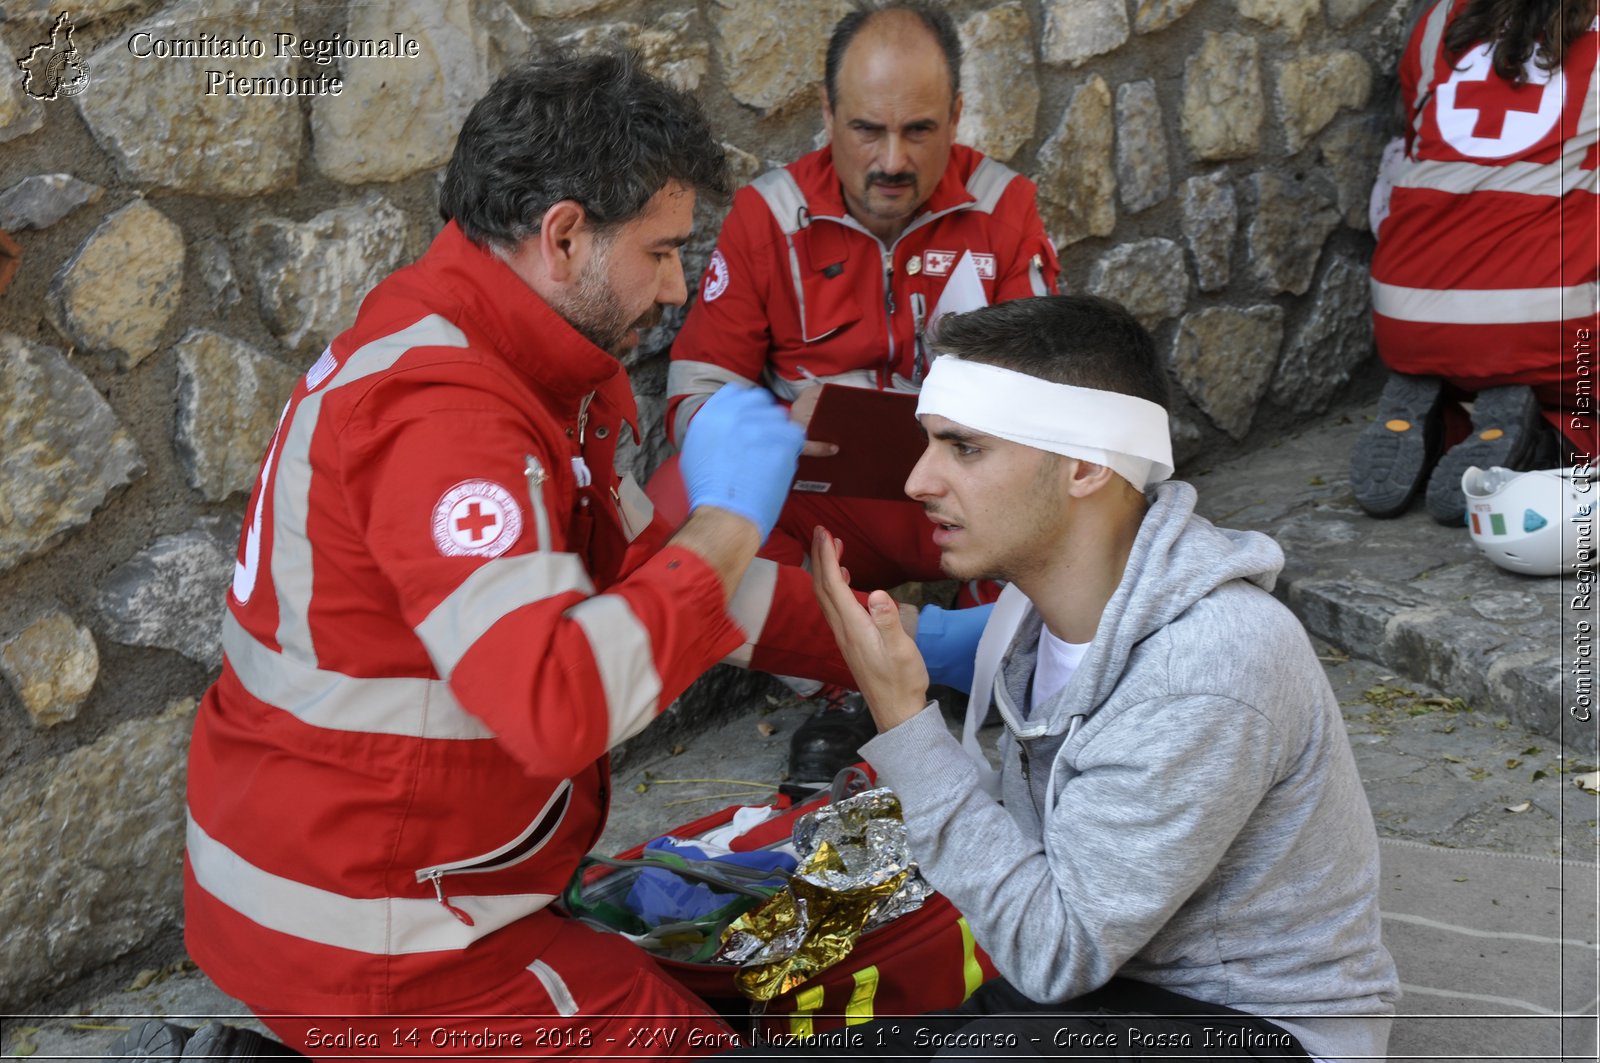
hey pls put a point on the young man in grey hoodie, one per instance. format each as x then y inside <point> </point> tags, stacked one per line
<point>1178,847</point>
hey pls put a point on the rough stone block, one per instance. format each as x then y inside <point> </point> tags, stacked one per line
<point>1077,183</point>
<point>229,396</point>
<point>1528,688</point>
<point>65,451</point>
<point>1152,15</point>
<point>1223,105</point>
<point>171,596</point>
<point>1349,611</point>
<point>1223,357</point>
<point>1350,150</point>
<point>95,841</point>
<point>1333,340</point>
<point>52,664</point>
<point>1342,12</point>
<point>673,47</point>
<point>1290,16</point>
<point>1077,30</point>
<point>397,117</point>
<point>1210,219</point>
<point>999,88</point>
<point>1148,277</point>
<point>769,63</point>
<point>161,128</point>
<point>1312,89</point>
<point>1292,222</point>
<point>1142,172</point>
<point>120,287</point>
<point>19,113</point>
<point>311,276</point>
<point>40,201</point>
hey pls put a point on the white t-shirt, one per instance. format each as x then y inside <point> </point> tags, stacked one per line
<point>1057,661</point>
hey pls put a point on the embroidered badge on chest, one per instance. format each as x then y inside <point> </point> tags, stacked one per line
<point>476,518</point>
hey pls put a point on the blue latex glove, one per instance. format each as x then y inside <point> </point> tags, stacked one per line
<point>740,455</point>
<point>662,896</point>
<point>948,640</point>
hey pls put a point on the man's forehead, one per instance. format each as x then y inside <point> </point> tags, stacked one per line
<point>880,64</point>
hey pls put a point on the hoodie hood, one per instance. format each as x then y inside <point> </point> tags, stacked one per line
<point>1177,559</point>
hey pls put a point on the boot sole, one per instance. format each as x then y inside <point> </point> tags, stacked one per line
<point>151,1039</point>
<point>1506,431</point>
<point>1390,461</point>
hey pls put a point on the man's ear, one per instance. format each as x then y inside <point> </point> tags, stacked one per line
<point>827,110</point>
<point>561,231</point>
<point>955,112</point>
<point>1086,478</point>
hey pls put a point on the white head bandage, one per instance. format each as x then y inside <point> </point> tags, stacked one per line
<point>1128,435</point>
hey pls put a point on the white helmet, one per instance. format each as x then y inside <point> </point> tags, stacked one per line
<point>1538,523</point>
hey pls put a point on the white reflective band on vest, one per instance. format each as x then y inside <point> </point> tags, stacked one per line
<point>626,660</point>
<point>407,706</point>
<point>1475,306</point>
<point>495,589</point>
<point>752,601</point>
<point>381,926</point>
<point>1126,434</point>
<point>291,546</point>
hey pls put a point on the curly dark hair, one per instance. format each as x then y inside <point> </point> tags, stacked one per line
<point>1082,340</point>
<point>1517,28</point>
<point>596,129</point>
<point>935,20</point>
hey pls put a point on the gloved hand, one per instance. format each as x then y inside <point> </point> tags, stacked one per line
<point>740,455</point>
<point>948,641</point>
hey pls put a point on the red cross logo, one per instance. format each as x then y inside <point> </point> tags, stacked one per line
<point>475,522</point>
<point>1483,116</point>
<point>476,518</point>
<point>1494,101</point>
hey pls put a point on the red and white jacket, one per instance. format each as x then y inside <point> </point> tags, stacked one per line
<point>447,607</point>
<point>798,289</point>
<point>1486,265</point>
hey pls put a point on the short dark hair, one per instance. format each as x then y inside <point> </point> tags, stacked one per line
<point>596,129</point>
<point>1082,340</point>
<point>935,20</point>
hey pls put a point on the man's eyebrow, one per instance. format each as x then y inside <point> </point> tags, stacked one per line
<point>672,241</point>
<point>959,435</point>
<point>866,126</point>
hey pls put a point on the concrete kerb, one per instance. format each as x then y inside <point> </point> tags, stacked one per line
<point>1409,593</point>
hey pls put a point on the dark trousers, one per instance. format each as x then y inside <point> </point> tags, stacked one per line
<point>1122,1020</point>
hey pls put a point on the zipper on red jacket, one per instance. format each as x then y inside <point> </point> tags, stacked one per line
<point>520,848</point>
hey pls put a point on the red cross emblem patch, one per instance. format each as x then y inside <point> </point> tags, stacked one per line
<point>1484,117</point>
<point>476,518</point>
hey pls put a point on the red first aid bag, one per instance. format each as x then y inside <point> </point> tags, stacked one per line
<point>925,960</point>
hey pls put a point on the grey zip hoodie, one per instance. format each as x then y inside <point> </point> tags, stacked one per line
<point>1185,812</point>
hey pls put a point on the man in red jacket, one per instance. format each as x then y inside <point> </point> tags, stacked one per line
<point>448,607</point>
<point>830,269</point>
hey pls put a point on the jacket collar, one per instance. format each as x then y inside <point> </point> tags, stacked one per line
<point>819,181</point>
<point>490,299</point>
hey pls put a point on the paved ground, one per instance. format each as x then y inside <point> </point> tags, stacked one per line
<point>1452,699</point>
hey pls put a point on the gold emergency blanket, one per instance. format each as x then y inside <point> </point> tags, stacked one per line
<point>855,874</point>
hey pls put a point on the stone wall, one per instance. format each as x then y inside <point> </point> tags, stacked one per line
<point>185,256</point>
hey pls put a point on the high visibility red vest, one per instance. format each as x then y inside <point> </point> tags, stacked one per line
<point>1486,266</point>
<point>798,289</point>
<point>447,607</point>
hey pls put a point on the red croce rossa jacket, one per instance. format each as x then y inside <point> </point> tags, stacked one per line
<point>447,607</point>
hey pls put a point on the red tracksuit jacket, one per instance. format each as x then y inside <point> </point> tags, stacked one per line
<point>447,607</point>
<point>1485,270</point>
<point>830,299</point>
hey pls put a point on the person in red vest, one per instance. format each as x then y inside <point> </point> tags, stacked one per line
<point>831,268</point>
<point>448,607</point>
<point>1484,281</point>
